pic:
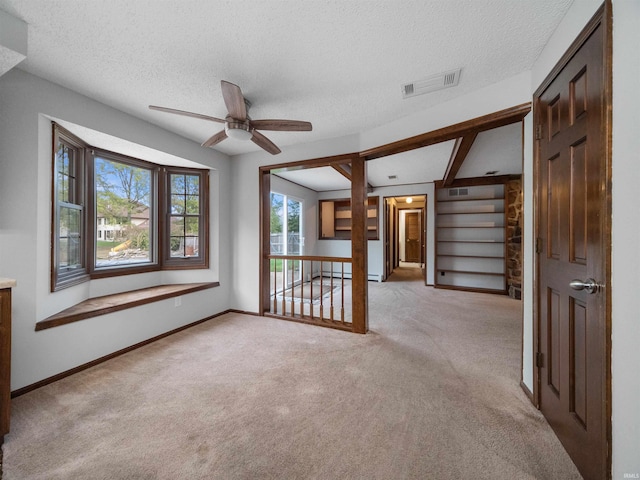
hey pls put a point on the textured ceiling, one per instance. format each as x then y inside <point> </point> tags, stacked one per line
<point>338,64</point>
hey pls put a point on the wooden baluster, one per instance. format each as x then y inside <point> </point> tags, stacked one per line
<point>275,284</point>
<point>321,295</point>
<point>342,290</point>
<point>293,287</point>
<point>311,311</point>
<point>284,287</point>
<point>331,287</point>
<point>301,286</point>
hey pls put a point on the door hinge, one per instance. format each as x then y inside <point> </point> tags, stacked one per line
<point>538,245</point>
<point>539,360</point>
<point>539,132</point>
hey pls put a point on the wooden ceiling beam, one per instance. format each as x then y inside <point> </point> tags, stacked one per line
<point>344,170</point>
<point>477,125</point>
<point>458,155</point>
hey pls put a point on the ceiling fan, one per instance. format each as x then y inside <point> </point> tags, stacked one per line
<point>238,124</point>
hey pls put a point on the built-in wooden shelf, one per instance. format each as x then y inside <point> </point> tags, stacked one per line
<point>469,256</point>
<point>471,241</point>
<point>335,219</point>
<point>472,225</point>
<point>472,272</point>
<point>470,238</point>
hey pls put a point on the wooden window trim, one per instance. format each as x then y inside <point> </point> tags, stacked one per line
<point>60,281</point>
<point>160,255</point>
<point>154,264</point>
<point>185,263</point>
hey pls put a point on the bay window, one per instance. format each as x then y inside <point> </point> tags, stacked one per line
<point>116,215</point>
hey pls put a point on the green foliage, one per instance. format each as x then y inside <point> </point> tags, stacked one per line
<point>293,216</point>
<point>139,238</point>
<point>277,205</point>
<point>121,190</point>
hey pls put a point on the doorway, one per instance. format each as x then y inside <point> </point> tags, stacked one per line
<point>405,233</point>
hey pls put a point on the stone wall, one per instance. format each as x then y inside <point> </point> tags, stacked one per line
<point>514,238</point>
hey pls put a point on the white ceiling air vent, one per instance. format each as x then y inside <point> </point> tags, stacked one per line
<point>432,83</point>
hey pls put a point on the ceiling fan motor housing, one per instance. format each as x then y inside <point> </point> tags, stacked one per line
<point>238,130</point>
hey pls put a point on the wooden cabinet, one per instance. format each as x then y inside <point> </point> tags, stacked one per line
<point>470,238</point>
<point>5,356</point>
<point>335,219</point>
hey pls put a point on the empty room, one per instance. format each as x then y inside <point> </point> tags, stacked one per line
<point>322,239</point>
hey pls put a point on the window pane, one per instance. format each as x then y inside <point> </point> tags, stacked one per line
<point>69,239</point>
<point>178,184</point>
<point>178,204</point>
<point>277,224</point>
<point>177,226</point>
<point>191,247</point>
<point>293,227</point>
<point>65,166</point>
<point>123,213</point>
<point>192,225</point>
<point>185,222</point>
<point>192,184</point>
<point>192,204</point>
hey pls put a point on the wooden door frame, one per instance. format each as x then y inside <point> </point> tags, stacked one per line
<point>359,203</point>
<point>395,234</point>
<point>602,17</point>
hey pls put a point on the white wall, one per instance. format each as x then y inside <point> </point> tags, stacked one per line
<point>626,239</point>
<point>499,96</point>
<point>25,219</point>
<point>527,253</point>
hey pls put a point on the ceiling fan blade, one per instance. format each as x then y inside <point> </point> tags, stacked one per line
<point>217,138</point>
<point>282,125</point>
<point>265,143</point>
<point>234,100</point>
<point>186,114</point>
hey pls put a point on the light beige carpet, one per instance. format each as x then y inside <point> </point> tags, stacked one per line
<point>431,393</point>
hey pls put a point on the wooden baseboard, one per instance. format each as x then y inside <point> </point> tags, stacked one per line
<point>79,368</point>
<point>527,392</point>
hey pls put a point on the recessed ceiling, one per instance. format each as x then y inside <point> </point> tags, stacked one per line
<point>339,65</point>
<point>320,179</point>
<point>422,165</point>
<point>498,150</point>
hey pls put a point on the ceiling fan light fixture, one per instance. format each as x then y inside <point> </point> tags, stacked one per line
<point>238,130</point>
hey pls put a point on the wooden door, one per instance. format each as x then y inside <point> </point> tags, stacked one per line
<point>571,189</point>
<point>412,232</point>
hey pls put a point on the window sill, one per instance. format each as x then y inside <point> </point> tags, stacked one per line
<point>94,307</point>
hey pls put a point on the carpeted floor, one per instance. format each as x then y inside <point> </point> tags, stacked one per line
<point>430,393</point>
